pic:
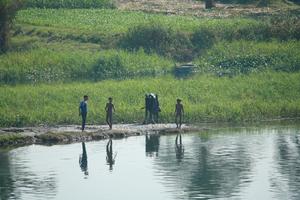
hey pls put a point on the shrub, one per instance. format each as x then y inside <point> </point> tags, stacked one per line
<point>69,4</point>
<point>108,68</point>
<point>203,38</point>
<point>157,38</point>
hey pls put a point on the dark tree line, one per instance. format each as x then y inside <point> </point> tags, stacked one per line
<point>8,10</point>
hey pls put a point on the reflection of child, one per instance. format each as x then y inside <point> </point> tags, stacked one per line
<point>109,108</point>
<point>179,112</point>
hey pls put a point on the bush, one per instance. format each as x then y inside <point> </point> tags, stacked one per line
<point>160,39</point>
<point>285,27</point>
<point>203,38</point>
<point>108,68</point>
<point>69,4</point>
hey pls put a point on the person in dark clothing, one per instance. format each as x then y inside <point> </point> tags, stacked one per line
<point>179,112</point>
<point>156,108</point>
<point>109,108</point>
<point>83,110</point>
<point>146,109</point>
<point>151,108</point>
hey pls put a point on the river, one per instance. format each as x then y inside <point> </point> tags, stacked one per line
<point>222,163</point>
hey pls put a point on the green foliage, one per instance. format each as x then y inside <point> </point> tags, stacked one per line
<point>109,68</point>
<point>14,139</point>
<point>115,22</point>
<point>69,3</point>
<point>285,27</point>
<point>8,9</point>
<point>160,39</point>
<point>49,65</point>
<point>245,56</point>
<point>206,98</point>
<point>203,38</point>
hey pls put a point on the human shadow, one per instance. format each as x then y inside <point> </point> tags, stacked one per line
<point>83,162</point>
<point>152,144</point>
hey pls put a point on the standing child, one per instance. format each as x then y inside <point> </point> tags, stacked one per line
<point>179,112</point>
<point>109,108</point>
<point>83,110</point>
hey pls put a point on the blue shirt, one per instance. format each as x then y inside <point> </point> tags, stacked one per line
<point>83,107</point>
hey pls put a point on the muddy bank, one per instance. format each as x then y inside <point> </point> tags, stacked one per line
<point>72,133</point>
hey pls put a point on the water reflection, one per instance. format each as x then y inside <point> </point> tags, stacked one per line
<point>17,178</point>
<point>288,165</point>
<point>224,164</point>
<point>6,181</point>
<point>110,159</point>
<point>179,150</point>
<point>152,144</point>
<point>211,167</point>
<point>83,162</point>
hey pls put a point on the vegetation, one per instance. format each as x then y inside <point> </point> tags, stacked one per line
<point>248,67</point>
<point>14,139</point>
<point>113,22</point>
<point>69,4</point>
<point>8,9</point>
<point>206,98</point>
<point>49,65</point>
<point>242,57</point>
<point>181,38</point>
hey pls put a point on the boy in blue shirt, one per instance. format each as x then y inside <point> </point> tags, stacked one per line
<point>83,110</point>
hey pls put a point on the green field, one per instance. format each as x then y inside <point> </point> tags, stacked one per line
<point>247,67</point>
<point>206,98</point>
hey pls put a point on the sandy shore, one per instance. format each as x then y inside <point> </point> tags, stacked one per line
<point>72,133</point>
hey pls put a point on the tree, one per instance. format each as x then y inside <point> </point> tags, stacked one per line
<point>8,10</point>
<point>209,4</point>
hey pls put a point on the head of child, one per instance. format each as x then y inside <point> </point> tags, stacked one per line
<point>110,99</point>
<point>85,97</point>
<point>178,101</point>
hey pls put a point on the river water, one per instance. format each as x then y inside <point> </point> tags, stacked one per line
<point>224,163</point>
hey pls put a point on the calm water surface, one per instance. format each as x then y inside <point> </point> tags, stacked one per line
<point>232,163</point>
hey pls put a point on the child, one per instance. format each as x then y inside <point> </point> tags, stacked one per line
<point>83,110</point>
<point>179,112</point>
<point>109,108</point>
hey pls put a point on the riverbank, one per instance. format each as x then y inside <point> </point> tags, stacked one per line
<point>72,133</point>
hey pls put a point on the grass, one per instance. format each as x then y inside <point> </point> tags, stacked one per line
<point>231,58</point>
<point>113,22</point>
<point>14,139</point>
<point>58,55</point>
<point>181,38</point>
<point>206,98</point>
<point>41,62</point>
<point>49,63</point>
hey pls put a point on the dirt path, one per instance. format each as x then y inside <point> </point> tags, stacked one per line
<point>72,133</point>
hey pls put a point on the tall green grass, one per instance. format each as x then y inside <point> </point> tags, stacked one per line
<point>240,57</point>
<point>206,98</point>
<point>49,65</point>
